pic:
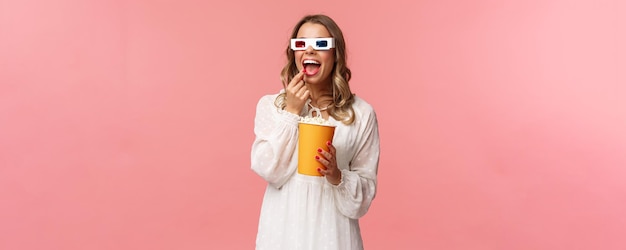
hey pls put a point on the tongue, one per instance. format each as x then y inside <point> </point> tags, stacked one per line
<point>311,69</point>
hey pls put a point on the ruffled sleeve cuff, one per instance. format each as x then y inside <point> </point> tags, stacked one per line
<point>288,117</point>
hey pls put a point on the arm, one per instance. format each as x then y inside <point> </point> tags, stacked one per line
<point>274,147</point>
<point>354,195</point>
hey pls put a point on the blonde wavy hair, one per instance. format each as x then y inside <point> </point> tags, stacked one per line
<point>343,98</point>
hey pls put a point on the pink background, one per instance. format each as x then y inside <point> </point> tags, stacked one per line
<point>128,124</point>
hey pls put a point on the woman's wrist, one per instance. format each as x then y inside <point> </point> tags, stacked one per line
<point>335,181</point>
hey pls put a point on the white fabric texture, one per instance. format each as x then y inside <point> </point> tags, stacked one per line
<point>301,212</point>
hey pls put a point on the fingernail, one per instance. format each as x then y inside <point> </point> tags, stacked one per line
<point>328,143</point>
<point>319,169</point>
<point>319,150</point>
<point>317,157</point>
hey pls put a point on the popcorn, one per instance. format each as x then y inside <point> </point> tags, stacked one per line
<point>315,120</point>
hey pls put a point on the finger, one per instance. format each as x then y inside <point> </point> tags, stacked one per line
<point>297,78</point>
<point>324,162</point>
<point>296,87</point>
<point>294,90</point>
<point>303,93</point>
<point>322,171</point>
<point>327,155</point>
<point>306,94</point>
<point>331,148</point>
<point>303,96</point>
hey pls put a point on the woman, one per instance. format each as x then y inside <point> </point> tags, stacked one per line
<point>315,212</point>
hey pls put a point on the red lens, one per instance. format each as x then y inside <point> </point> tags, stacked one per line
<point>300,44</point>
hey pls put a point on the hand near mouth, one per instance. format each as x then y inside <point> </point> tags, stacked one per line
<point>296,94</point>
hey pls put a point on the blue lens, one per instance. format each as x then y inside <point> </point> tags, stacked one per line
<point>321,44</point>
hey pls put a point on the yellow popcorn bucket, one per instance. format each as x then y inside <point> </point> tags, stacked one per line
<point>310,138</point>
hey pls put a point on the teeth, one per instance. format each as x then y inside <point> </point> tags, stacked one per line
<point>308,61</point>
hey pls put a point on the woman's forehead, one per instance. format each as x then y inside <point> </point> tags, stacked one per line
<point>312,30</point>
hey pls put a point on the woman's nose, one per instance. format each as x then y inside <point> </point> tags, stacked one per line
<point>309,50</point>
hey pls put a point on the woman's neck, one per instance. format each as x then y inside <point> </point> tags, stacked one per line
<point>320,96</point>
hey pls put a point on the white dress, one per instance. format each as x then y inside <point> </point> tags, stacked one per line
<point>307,212</point>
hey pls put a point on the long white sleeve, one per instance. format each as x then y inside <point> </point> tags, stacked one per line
<point>273,150</point>
<point>354,195</point>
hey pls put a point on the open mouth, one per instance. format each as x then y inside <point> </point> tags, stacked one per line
<point>311,66</point>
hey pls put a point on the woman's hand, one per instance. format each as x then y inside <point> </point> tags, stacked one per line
<point>296,94</point>
<point>328,159</point>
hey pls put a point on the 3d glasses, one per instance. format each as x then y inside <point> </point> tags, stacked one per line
<point>317,43</point>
